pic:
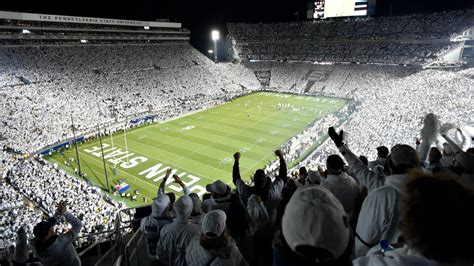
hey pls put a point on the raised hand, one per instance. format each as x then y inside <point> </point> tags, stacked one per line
<point>279,154</point>
<point>338,139</point>
<point>417,141</point>
<point>237,156</point>
<point>168,172</point>
<point>62,207</point>
<point>177,179</point>
<point>22,232</point>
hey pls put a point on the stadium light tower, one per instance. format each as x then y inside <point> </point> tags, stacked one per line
<point>215,37</point>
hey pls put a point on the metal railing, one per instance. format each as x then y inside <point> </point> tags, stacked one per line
<point>123,226</point>
<point>131,249</point>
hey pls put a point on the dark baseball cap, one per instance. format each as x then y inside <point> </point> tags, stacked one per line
<point>41,229</point>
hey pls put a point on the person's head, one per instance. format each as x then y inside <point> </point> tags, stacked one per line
<point>464,163</point>
<point>437,217</point>
<point>44,229</point>
<point>435,155</point>
<point>260,178</point>
<point>315,225</point>
<point>334,164</point>
<point>470,150</point>
<point>303,172</point>
<point>382,152</point>
<point>218,189</point>
<point>364,160</point>
<point>196,204</point>
<point>160,206</point>
<point>402,159</point>
<point>183,207</point>
<point>214,234</point>
<point>313,178</point>
<point>206,196</point>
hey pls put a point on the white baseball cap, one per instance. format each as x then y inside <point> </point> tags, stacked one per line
<point>213,224</point>
<point>314,217</point>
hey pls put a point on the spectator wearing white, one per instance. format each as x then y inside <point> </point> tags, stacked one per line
<point>54,249</point>
<point>159,217</point>
<point>380,212</point>
<point>223,199</point>
<point>370,178</point>
<point>315,230</point>
<point>152,224</point>
<point>435,229</point>
<point>175,237</point>
<point>214,246</point>
<point>343,186</point>
<point>270,194</point>
<point>196,214</point>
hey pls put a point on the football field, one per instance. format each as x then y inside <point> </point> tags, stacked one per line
<point>199,146</point>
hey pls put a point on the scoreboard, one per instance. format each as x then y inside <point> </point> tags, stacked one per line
<point>343,8</point>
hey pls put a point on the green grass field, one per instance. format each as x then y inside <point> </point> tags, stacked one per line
<point>200,146</point>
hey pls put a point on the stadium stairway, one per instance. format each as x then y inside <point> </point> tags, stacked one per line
<point>127,246</point>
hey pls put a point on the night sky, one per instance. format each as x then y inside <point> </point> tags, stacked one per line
<point>200,16</point>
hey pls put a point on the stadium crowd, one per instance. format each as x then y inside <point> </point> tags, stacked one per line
<point>125,81</point>
<point>410,40</point>
<point>386,212</point>
<point>271,220</point>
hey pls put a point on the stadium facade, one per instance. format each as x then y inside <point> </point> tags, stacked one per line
<point>29,28</point>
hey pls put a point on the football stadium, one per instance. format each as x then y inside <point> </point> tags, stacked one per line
<point>199,146</point>
<point>328,132</point>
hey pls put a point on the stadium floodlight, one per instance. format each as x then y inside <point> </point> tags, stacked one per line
<point>215,37</point>
<point>25,31</point>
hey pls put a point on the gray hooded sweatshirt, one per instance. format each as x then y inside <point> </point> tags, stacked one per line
<point>58,250</point>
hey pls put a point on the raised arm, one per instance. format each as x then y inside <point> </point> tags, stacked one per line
<point>178,180</point>
<point>236,170</point>
<point>76,224</point>
<point>283,171</point>
<point>428,133</point>
<point>452,144</point>
<point>366,176</point>
<point>161,189</point>
<point>21,248</point>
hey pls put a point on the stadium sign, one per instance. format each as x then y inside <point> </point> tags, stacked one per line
<point>85,20</point>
